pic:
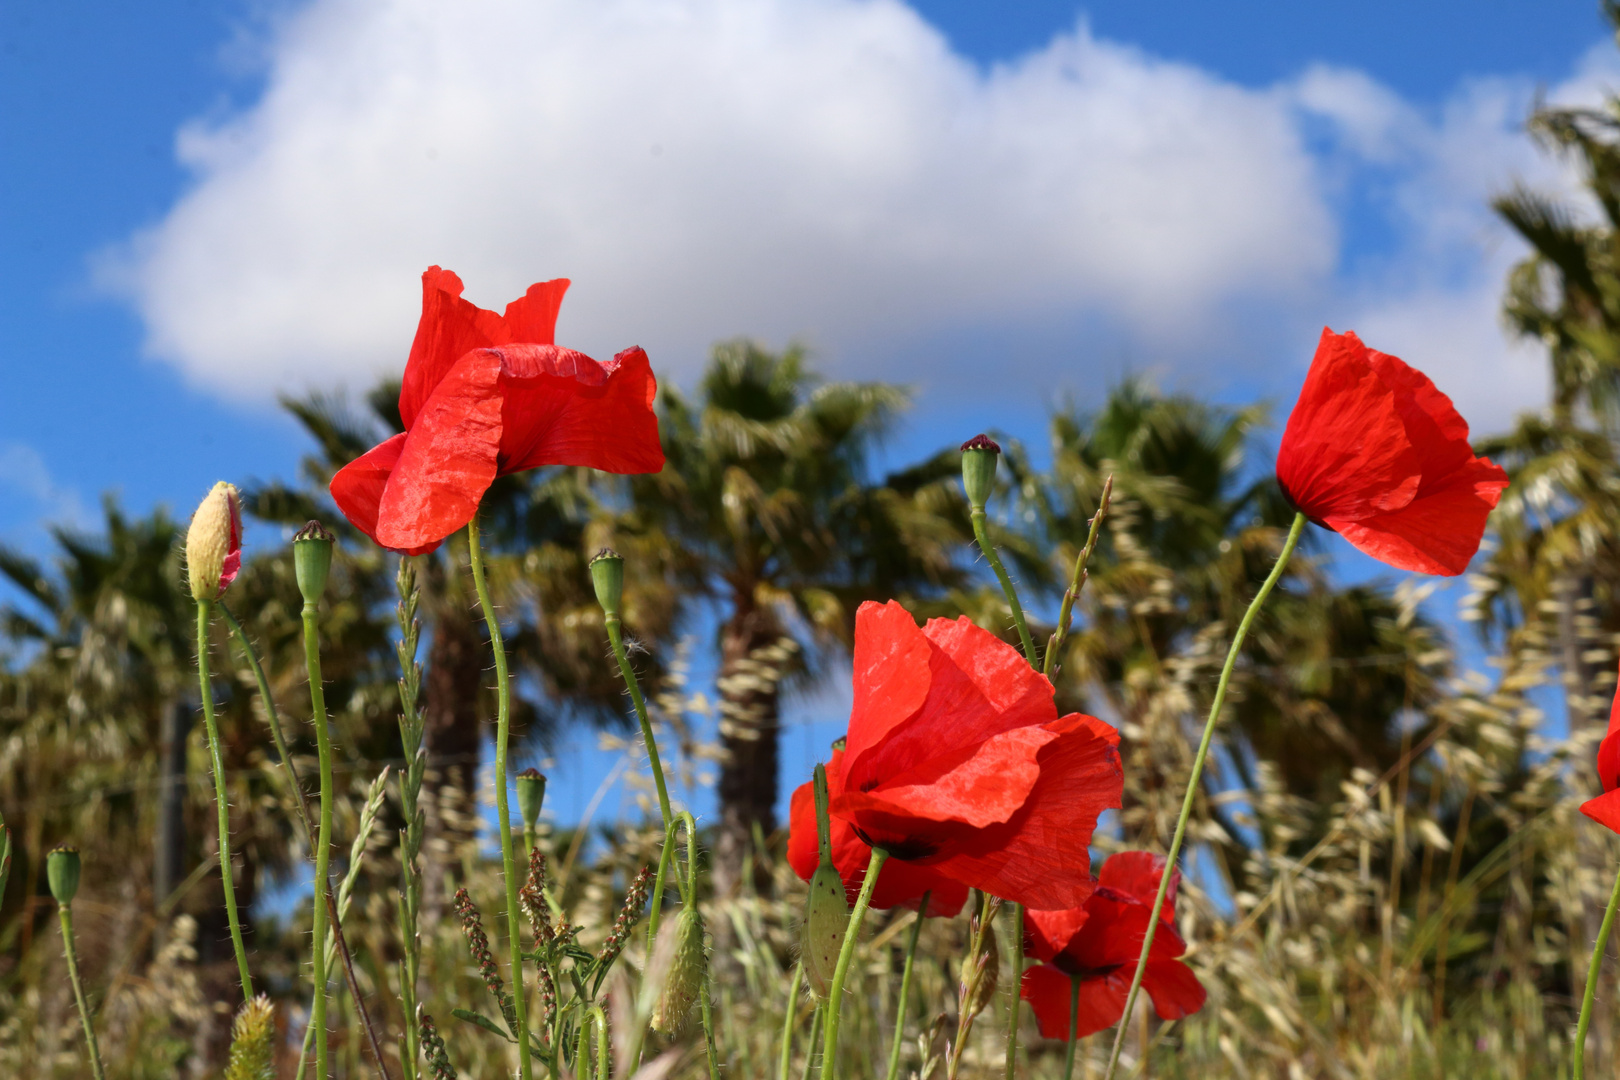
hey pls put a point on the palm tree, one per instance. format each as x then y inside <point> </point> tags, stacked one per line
<point>780,526</point>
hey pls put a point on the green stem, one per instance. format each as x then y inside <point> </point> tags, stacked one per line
<point>905,992</point>
<point>78,991</point>
<point>787,1023</point>
<point>1074,1027</point>
<point>616,636</point>
<point>983,537</point>
<point>1017,988</point>
<point>297,787</point>
<point>1592,972</point>
<point>816,1018</point>
<point>323,842</point>
<point>604,1046</point>
<point>217,761</point>
<point>1294,533</point>
<point>1060,634</point>
<point>503,736</point>
<point>846,953</point>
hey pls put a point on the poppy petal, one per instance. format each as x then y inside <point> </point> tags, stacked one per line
<point>449,328</point>
<point>979,786</point>
<point>1047,933</point>
<point>1605,810</point>
<point>563,408</point>
<point>1438,532</point>
<point>1041,857</point>
<point>1136,873</point>
<point>892,661</point>
<point>1102,1001</point>
<point>448,458</point>
<point>532,317</point>
<point>1175,990</point>
<point>1608,755</point>
<point>358,487</point>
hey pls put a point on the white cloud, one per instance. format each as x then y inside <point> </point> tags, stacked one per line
<point>703,168</point>
<point>30,487</point>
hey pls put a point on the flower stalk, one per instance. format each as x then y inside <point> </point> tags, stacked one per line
<point>1294,533</point>
<point>835,994</point>
<point>905,990</point>
<point>410,786</point>
<point>503,738</point>
<point>216,761</point>
<point>62,873</point>
<point>979,456</point>
<point>1593,971</point>
<point>312,559</point>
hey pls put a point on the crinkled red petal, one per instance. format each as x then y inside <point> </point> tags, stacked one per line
<point>563,408</point>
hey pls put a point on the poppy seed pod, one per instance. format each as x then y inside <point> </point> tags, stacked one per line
<point>312,560</point>
<point>826,916</point>
<point>684,981</point>
<point>607,574</point>
<point>979,457</point>
<point>62,872</point>
<point>214,543</point>
<point>531,794</point>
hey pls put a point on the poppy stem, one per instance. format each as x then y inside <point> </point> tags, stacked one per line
<point>905,990</point>
<point>1294,533</point>
<point>91,1047</point>
<point>323,840</point>
<point>1017,990</point>
<point>1074,1027</point>
<point>835,992</point>
<point>786,1056</point>
<point>503,737</point>
<point>616,636</point>
<point>1592,971</point>
<point>983,537</point>
<point>205,609</point>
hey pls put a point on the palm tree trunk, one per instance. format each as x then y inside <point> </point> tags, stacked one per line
<point>752,656</point>
<point>169,866</point>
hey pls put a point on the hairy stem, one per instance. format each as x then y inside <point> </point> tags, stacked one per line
<point>1017,988</point>
<point>323,841</point>
<point>905,991</point>
<point>846,953</point>
<point>503,737</point>
<point>1077,582</point>
<point>1593,970</point>
<point>91,1047</point>
<point>1294,533</point>
<point>983,537</point>
<point>217,761</point>
<point>787,1024</point>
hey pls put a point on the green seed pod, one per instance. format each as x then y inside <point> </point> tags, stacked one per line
<point>253,1042</point>
<point>62,871</point>
<point>684,981</point>
<point>979,457</point>
<point>826,916</point>
<point>312,560</point>
<point>607,574</point>
<point>531,795</point>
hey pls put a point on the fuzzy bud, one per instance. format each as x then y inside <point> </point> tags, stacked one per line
<point>979,457</point>
<point>214,543</point>
<point>253,1042</point>
<point>312,560</point>
<point>62,871</point>
<point>531,794</point>
<point>607,574</point>
<point>980,976</point>
<point>684,980</point>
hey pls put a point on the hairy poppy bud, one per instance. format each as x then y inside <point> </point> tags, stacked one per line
<point>214,543</point>
<point>684,980</point>
<point>531,794</point>
<point>826,916</point>
<point>62,871</point>
<point>607,574</point>
<point>312,560</point>
<point>253,1042</point>
<point>979,457</point>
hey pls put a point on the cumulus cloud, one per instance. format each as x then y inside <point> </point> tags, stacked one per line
<point>827,169</point>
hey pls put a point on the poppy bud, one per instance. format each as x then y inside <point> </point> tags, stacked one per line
<point>312,559</point>
<point>214,543</point>
<point>979,457</point>
<point>62,872</point>
<point>607,574</point>
<point>253,1042</point>
<point>531,793</point>
<point>826,917</point>
<point>684,981</point>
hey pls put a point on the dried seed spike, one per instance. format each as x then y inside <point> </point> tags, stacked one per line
<point>472,925</point>
<point>634,899</point>
<point>433,1047</point>
<point>532,898</point>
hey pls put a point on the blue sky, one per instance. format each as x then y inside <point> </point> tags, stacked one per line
<point>206,204</point>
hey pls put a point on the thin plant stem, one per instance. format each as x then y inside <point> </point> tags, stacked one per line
<point>604,1046</point>
<point>91,1047</point>
<point>216,760</point>
<point>1077,582</point>
<point>816,1018</point>
<point>1074,1027</point>
<point>1294,533</point>
<point>905,990</point>
<point>789,1016</point>
<point>983,537</point>
<point>846,953</point>
<point>1017,987</point>
<point>1593,971</point>
<point>616,636</point>
<point>410,787</point>
<point>503,736</point>
<point>309,832</point>
<point>323,842</point>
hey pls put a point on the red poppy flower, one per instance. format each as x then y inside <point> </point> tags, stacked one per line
<point>957,761</point>
<point>1605,809</point>
<point>1100,944</point>
<point>900,884</point>
<point>485,395</point>
<point>1373,451</point>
